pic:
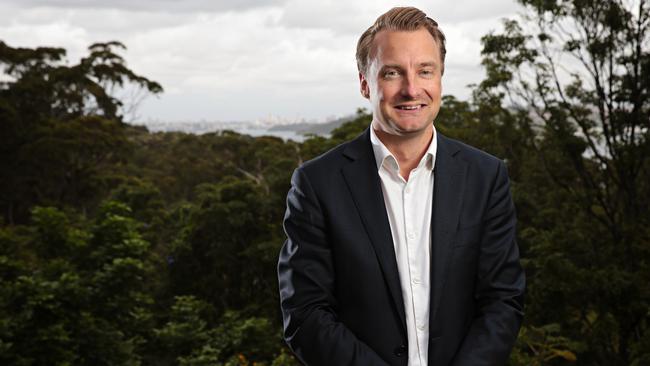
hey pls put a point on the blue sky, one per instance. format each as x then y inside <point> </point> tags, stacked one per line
<point>247,59</point>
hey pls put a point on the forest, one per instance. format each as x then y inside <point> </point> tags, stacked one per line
<point>119,246</point>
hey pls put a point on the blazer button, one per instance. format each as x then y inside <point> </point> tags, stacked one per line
<point>400,351</point>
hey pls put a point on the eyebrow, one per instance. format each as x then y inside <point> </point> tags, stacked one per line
<point>421,64</point>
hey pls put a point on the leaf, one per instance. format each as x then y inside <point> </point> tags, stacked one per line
<point>567,355</point>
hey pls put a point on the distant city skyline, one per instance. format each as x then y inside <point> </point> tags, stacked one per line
<point>246,60</point>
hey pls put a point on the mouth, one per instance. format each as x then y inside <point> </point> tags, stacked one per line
<point>410,107</point>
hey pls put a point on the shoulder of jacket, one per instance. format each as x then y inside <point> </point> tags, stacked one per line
<point>333,159</point>
<point>471,154</point>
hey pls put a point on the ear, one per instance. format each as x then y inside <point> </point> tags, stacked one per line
<point>363,86</point>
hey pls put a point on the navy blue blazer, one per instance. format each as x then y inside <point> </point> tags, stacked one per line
<point>340,294</point>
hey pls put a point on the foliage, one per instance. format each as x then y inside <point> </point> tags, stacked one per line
<point>576,74</point>
<point>74,291</point>
<point>538,346</point>
<point>121,246</point>
<point>61,126</point>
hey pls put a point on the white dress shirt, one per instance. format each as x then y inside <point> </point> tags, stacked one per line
<point>409,205</point>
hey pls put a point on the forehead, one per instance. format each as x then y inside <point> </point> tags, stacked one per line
<point>396,45</point>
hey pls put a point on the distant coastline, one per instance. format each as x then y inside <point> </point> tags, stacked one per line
<point>296,131</point>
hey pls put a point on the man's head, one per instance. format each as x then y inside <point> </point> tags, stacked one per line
<point>401,61</point>
<point>398,19</point>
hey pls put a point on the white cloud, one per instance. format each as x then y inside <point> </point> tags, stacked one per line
<point>170,6</point>
<point>356,16</point>
<point>287,58</point>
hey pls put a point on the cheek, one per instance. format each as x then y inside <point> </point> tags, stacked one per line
<point>437,88</point>
<point>388,93</point>
<point>379,95</point>
<point>434,94</point>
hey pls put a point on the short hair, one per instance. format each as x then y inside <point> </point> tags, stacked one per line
<point>398,19</point>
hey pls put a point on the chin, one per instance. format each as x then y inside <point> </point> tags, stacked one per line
<point>408,128</point>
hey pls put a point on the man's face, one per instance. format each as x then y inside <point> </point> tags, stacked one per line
<point>403,81</point>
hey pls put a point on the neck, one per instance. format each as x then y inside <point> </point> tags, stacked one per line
<point>407,149</point>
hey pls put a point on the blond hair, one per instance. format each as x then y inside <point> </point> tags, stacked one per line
<point>398,19</point>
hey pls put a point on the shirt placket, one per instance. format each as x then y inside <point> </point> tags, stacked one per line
<point>422,248</point>
<point>409,224</point>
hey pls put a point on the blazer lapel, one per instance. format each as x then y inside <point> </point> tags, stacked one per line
<point>363,181</point>
<point>449,184</point>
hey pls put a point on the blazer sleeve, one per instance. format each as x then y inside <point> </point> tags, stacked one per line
<point>306,279</point>
<point>500,285</point>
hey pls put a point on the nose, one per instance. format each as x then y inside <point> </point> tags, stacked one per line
<point>410,89</point>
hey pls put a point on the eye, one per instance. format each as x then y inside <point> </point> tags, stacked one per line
<point>390,74</point>
<point>426,73</point>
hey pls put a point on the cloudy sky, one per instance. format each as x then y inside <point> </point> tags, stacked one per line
<point>246,59</point>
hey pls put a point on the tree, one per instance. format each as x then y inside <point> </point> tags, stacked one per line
<point>577,74</point>
<point>73,295</point>
<point>189,339</point>
<point>59,122</point>
<point>225,253</point>
<point>43,87</point>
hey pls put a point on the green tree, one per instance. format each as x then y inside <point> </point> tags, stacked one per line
<point>73,295</point>
<point>59,125</point>
<point>577,76</point>
<point>219,257</point>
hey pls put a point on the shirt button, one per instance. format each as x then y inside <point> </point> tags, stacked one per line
<point>416,280</point>
<point>411,235</point>
<point>400,351</point>
<point>421,327</point>
<point>407,190</point>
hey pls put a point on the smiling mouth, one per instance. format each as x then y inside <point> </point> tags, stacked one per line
<point>410,107</point>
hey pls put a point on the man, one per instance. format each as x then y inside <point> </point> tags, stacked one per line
<point>401,243</point>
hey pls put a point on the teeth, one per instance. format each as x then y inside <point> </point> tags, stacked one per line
<point>409,107</point>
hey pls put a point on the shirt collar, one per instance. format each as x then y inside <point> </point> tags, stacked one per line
<point>383,156</point>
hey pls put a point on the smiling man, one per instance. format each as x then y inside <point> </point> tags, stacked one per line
<point>401,243</point>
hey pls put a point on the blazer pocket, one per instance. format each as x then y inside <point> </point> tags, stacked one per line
<point>469,236</point>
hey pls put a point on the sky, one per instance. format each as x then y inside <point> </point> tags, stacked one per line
<point>243,60</point>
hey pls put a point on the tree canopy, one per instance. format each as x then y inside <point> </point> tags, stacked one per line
<point>119,246</point>
<point>577,75</point>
